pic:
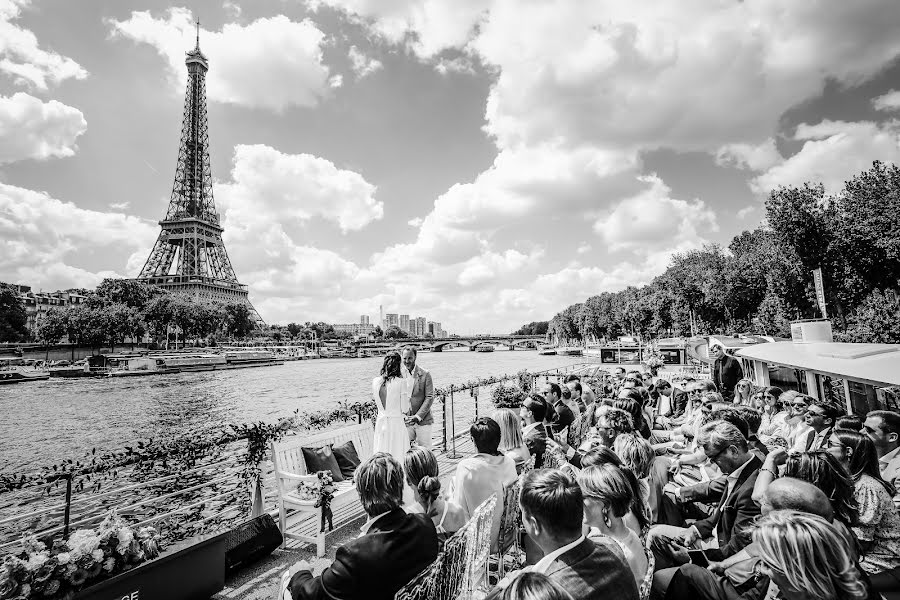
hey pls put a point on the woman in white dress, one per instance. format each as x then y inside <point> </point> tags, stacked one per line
<point>392,400</point>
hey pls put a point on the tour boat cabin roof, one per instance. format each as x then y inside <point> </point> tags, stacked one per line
<point>870,363</point>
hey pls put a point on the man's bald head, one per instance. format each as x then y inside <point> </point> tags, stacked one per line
<point>799,495</point>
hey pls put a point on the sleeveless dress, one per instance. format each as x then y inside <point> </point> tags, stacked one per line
<point>390,430</point>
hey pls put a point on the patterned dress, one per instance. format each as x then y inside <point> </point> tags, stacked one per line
<point>878,522</point>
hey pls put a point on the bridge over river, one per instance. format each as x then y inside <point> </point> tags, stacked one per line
<point>511,342</point>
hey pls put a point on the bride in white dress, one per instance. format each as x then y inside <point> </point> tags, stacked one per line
<point>392,399</point>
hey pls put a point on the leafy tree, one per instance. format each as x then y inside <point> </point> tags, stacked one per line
<point>52,328</point>
<point>238,320</point>
<point>377,332</point>
<point>13,318</point>
<point>130,292</point>
<point>771,317</point>
<point>294,329</point>
<point>394,332</point>
<point>533,328</point>
<point>876,319</point>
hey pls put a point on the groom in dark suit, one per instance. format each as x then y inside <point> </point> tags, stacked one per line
<point>421,394</point>
<point>394,546</point>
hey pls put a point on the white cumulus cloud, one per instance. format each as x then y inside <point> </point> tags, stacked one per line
<point>42,240</point>
<point>887,102</point>
<point>268,184</point>
<point>832,152</point>
<point>22,58</point>
<point>31,128</point>
<point>361,64</point>
<point>271,63</point>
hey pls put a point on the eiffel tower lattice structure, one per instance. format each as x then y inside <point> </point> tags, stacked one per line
<point>189,255</point>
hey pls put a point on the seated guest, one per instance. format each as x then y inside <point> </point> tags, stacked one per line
<point>732,518</point>
<point>561,415</point>
<point>754,421</point>
<point>877,525</point>
<point>611,422</point>
<point>883,426</point>
<point>533,412</point>
<point>487,472</point>
<point>742,392</point>
<point>587,394</point>
<point>552,514</point>
<point>849,422</point>
<point>610,493</point>
<point>820,417</point>
<point>773,413</point>
<point>569,400</point>
<point>423,477</point>
<point>529,586</point>
<point>511,442</point>
<point>576,390</point>
<point>394,546</point>
<point>795,422</point>
<point>638,457</point>
<point>600,455</point>
<point>806,558</point>
<point>631,402</point>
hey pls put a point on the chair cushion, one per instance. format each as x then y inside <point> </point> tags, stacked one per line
<point>347,458</point>
<point>322,459</point>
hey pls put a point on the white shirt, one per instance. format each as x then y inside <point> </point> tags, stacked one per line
<point>529,428</point>
<point>365,528</point>
<point>544,564</point>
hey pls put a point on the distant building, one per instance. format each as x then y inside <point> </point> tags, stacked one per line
<point>38,303</point>
<point>364,319</point>
<point>404,323</point>
<point>391,319</point>
<point>361,330</point>
<point>420,328</point>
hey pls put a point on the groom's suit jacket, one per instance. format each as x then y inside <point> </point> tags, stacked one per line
<point>421,395</point>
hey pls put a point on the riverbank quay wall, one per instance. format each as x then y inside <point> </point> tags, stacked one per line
<point>200,485</point>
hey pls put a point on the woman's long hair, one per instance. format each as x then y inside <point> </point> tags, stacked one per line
<point>422,474</point>
<point>390,368</point>
<point>810,554</point>
<point>616,487</point>
<point>824,471</point>
<point>510,429</point>
<point>863,457</point>
<point>745,400</point>
<point>529,585</point>
<point>775,392</point>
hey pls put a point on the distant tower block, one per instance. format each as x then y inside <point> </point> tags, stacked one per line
<point>189,256</point>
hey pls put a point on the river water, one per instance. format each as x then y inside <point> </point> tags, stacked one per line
<point>46,422</point>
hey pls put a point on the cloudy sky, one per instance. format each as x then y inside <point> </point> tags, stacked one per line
<point>481,162</point>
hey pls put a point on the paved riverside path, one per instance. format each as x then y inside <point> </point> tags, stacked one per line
<point>260,581</point>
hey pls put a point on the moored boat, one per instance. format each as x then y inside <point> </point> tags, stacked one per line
<point>14,370</point>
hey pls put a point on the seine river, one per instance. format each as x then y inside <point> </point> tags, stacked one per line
<point>45,422</point>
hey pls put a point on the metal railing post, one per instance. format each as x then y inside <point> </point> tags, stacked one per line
<point>453,453</point>
<point>65,533</point>
<point>473,394</point>
<point>444,410</point>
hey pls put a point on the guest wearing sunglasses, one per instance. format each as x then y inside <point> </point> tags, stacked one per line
<point>820,418</point>
<point>773,413</point>
<point>795,423</point>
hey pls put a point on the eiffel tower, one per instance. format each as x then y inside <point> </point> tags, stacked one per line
<point>189,255</point>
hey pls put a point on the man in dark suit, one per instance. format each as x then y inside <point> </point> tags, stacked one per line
<point>562,416</point>
<point>726,371</point>
<point>733,517</point>
<point>552,513</point>
<point>419,420</point>
<point>394,546</point>
<point>532,412</point>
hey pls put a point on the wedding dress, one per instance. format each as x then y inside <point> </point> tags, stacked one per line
<point>390,430</point>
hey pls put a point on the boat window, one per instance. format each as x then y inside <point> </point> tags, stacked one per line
<point>788,378</point>
<point>889,398</point>
<point>863,398</point>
